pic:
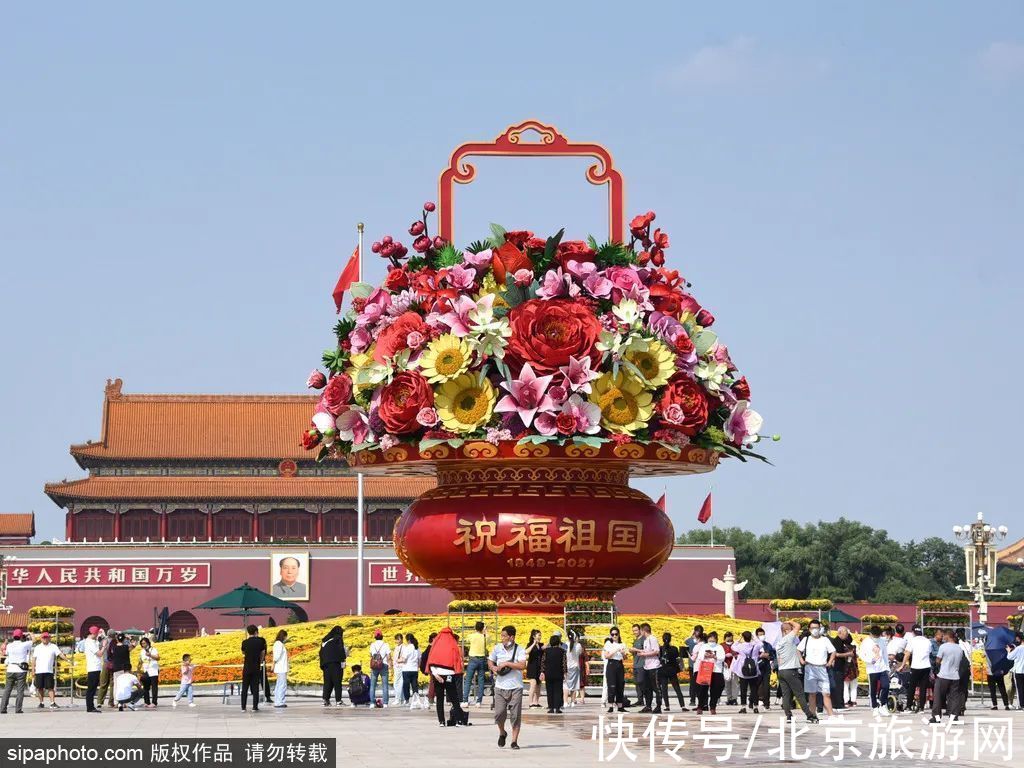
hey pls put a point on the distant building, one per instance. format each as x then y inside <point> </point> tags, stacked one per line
<point>17,527</point>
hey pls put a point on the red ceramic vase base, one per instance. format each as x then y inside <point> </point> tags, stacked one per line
<point>532,536</point>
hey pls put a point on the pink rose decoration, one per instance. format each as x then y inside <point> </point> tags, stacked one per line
<point>522,277</point>
<point>427,417</point>
<point>415,340</point>
<point>316,380</point>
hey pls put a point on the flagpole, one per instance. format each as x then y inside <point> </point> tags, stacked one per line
<point>360,512</point>
<point>710,491</point>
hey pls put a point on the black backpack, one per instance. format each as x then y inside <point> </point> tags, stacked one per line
<point>357,687</point>
<point>749,668</point>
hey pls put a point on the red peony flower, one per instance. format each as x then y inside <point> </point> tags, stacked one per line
<point>397,280</point>
<point>546,334</point>
<point>519,238</point>
<point>574,250</point>
<point>401,401</point>
<point>393,339</point>
<point>336,394</point>
<point>683,406</point>
<point>508,260</point>
<point>536,244</point>
<point>741,389</point>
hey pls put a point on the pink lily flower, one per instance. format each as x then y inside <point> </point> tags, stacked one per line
<point>458,319</point>
<point>553,285</point>
<point>578,374</point>
<point>526,395</point>
<point>461,278</point>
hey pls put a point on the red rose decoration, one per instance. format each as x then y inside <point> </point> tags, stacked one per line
<point>565,423</point>
<point>684,345</point>
<point>336,394</point>
<point>397,280</point>
<point>508,260</point>
<point>741,389</point>
<point>546,334</point>
<point>536,244</point>
<point>683,406</point>
<point>574,250</point>
<point>666,300</point>
<point>392,339</point>
<point>519,238</point>
<point>402,399</point>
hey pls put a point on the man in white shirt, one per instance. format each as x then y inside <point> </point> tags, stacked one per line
<point>918,657</point>
<point>507,662</point>
<point>650,653</point>
<point>380,659</point>
<point>19,649</point>
<point>873,653</point>
<point>93,665</point>
<point>819,655</point>
<point>45,657</point>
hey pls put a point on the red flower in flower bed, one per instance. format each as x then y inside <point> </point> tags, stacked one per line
<point>574,250</point>
<point>546,334</point>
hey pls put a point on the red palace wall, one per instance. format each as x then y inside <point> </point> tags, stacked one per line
<point>332,581</point>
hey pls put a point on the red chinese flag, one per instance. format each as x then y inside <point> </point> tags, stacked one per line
<point>349,275</point>
<point>661,503</point>
<point>705,510</point>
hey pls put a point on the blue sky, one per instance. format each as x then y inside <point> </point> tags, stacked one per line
<point>179,188</point>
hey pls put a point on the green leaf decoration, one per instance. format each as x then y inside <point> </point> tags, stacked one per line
<point>477,246</point>
<point>360,290</point>
<point>612,254</point>
<point>415,263</point>
<point>497,235</point>
<point>591,440</point>
<point>448,256</point>
<point>703,341</point>
<point>515,294</point>
<point>674,448</point>
<point>335,360</point>
<point>592,242</point>
<point>536,439</point>
<point>551,246</point>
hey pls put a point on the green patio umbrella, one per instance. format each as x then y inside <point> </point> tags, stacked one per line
<point>245,600</point>
<point>836,616</point>
<point>133,631</point>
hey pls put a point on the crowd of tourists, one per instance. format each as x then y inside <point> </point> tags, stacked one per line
<point>813,670</point>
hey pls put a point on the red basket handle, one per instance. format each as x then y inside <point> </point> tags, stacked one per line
<point>551,144</point>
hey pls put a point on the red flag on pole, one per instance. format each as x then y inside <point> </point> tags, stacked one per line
<point>705,510</point>
<point>661,503</point>
<point>349,275</point>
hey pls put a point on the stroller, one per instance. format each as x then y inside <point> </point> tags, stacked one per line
<point>897,691</point>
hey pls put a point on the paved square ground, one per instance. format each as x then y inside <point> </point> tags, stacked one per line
<point>400,737</point>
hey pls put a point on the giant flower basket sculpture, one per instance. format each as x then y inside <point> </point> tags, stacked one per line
<point>533,376</point>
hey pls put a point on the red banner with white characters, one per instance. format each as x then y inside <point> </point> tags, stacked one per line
<point>394,575</point>
<point>114,575</point>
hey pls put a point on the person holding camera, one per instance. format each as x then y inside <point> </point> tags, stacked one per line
<point>19,648</point>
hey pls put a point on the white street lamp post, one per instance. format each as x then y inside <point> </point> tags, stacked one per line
<point>979,538</point>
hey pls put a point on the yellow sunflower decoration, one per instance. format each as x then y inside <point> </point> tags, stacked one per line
<point>656,364</point>
<point>466,402</point>
<point>625,405</point>
<point>445,358</point>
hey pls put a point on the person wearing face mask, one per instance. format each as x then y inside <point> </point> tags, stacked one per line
<point>819,657</point>
<point>710,651</point>
<point>789,663</point>
<point>732,683</point>
<point>918,658</point>
<point>765,664</point>
<point>697,636</point>
<point>1015,653</point>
